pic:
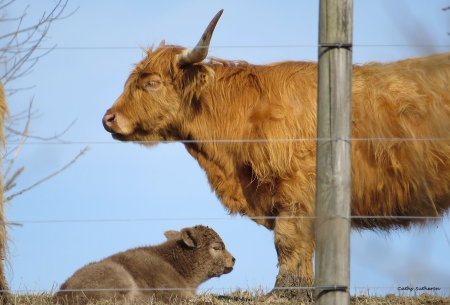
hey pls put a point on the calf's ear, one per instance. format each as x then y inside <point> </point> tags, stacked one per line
<point>191,238</point>
<point>172,234</point>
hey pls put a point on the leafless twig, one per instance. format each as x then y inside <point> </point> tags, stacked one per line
<point>10,183</point>
<point>24,135</point>
<point>57,137</point>
<point>18,55</point>
<point>49,176</point>
<point>19,46</point>
<point>22,140</point>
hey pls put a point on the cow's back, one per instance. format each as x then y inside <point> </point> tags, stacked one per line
<point>401,126</point>
<point>393,104</point>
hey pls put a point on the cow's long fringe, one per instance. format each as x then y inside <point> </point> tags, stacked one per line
<point>3,232</point>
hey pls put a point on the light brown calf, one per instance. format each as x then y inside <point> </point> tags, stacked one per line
<point>169,272</point>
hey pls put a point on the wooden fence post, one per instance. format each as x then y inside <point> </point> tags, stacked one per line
<point>333,192</point>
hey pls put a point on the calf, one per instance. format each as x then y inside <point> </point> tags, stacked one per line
<point>169,271</point>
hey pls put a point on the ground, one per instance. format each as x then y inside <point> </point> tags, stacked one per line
<point>239,297</point>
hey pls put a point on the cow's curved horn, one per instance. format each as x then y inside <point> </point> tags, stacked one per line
<point>197,54</point>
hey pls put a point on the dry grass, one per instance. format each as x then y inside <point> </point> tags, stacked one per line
<point>239,297</point>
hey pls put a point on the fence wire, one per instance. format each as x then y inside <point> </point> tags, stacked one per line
<point>21,222</point>
<point>399,289</point>
<point>294,46</point>
<point>227,141</point>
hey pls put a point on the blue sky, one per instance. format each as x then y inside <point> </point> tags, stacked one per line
<point>163,188</point>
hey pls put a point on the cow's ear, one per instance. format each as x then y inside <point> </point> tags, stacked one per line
<point>192,81</point>
<point>191,238</point>
<point>172,234</point>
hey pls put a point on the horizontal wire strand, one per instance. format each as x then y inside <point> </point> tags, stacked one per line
<point>328,287</point>
<point>88,48</point>
<point>240,141</point>
<point>21,222</point>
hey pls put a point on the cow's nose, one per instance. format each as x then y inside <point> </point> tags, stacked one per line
<point>233,259</point>
<point>108,120</point>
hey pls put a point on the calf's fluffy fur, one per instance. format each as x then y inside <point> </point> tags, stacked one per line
<point>187,259</point>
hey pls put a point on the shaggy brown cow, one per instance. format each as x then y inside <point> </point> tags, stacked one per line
<point>401,114</point>
<point>187,259</point>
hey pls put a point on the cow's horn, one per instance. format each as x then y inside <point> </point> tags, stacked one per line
<point>197,54</point>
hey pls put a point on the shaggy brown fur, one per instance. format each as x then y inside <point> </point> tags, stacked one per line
<point>401,114</point>
<point>3,233</point>
<point>187,259</point>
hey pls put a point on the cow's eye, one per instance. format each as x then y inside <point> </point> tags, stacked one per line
<point>152,84</point>
<point>216,248</point>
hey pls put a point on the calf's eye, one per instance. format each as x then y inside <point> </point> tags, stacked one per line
<point>216,248</point>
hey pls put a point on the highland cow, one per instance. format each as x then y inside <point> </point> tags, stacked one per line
<point>169,272</point>
<point>401,116</point>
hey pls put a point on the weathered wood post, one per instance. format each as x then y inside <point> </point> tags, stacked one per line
<point>332,252</point>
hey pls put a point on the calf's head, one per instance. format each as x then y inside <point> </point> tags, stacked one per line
<point>211,258</point>
<point>156,93</point>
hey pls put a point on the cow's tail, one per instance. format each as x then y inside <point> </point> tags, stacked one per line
<point>4,291</point>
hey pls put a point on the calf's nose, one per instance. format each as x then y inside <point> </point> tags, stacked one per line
<point>108,120</point>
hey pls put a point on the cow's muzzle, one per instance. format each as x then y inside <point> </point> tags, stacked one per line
<point>109,121</point>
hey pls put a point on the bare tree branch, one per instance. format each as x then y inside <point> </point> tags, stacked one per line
<point>10,183</point>
<point>22,140</point>
<point>17,57</point>
<point>19,45</point>
<point>9,224</point>
<point>15,90</point>
<point>49,176</point>
<point>28,115</point>
<point>5,5</point>
<point>56,137</point>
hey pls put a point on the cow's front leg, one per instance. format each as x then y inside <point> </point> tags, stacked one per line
<point>294,242</point>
